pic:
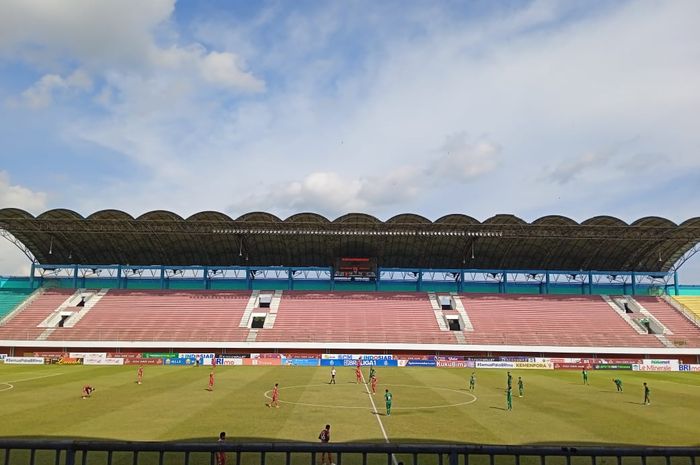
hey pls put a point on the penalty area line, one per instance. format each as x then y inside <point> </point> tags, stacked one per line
<point>376,415</point>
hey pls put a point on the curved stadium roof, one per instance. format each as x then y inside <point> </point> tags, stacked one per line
<point>602,243</point>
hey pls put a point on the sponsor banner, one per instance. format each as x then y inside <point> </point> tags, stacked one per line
<point>178,361</point>
<point>69,361</point>
<point>158,355</point>
<point>455,363</point>
<point>612,366</point>
<point>2,356</point>
<point>417,357</point>
<point>46,354</point>
<point>629,361</point>
<point>24,360</point>
<point>649,367</point>
<point>235,355</point>
<point>302,362</point>
<point>656,362</point>
<point>504,365</point>
<point>124,355</point>
<point>425,363</point>
<point>265,361</point>
<point>231,362</point>
<point>201,355</point>
<point>449,357</point>
<point>87,354</point>
<point>294,355</point>
<point>482,359</point>
<point>266,355</point>
<point>689,367</point>
<point>103,361</point>
<point>534,365</point>
<point>143,361</point>
<point>572,366</point>
<point>356,356</point>
<point>515,358</point>
<point>353,363</point>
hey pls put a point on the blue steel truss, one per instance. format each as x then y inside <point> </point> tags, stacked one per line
<point>409,279</point>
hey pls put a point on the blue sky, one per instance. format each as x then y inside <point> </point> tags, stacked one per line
<point>578,108</point>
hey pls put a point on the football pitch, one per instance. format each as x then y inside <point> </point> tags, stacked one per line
<point>429,405</point>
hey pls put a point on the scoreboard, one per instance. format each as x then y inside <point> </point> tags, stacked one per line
<point>356,267</point>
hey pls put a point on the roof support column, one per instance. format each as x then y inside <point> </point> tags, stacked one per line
<point>634,283</point>
<point>419,283</point>
<point>31,276</point>
<point>162,277</point>
<point>546,282</point>
<point>504,283</point>
<point>207,281</point>
<point>119,276</point>
<point>290,279</point>
<point>75,276</point>
<point>590,282</point>
<point>675,283</point>
<point>460,284</point>
<point>248,280</point>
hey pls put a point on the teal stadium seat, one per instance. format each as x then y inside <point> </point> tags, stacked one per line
<point>11,298</point>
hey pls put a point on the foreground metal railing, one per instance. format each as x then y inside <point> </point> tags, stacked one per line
<point>68,452</point>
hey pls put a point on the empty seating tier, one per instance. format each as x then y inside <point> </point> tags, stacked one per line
<point>549,321</point>
<point>10,298</point>
<point>356,317</point>
<point>685,333</point>
<point>123,315</point>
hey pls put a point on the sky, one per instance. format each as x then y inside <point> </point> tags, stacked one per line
<point>578,108</point>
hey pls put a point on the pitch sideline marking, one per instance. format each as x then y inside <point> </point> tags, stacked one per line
<point>376,415</point>
<point>266,394</point>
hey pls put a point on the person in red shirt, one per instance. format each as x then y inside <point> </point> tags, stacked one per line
<point>213,362</point>
<point>358,374</point>
<point>221,455</point>
<point>87,390</point>
<point>139,374</point>
<point>374,384</point>
<point>275,397</point>
<point>211,381</point>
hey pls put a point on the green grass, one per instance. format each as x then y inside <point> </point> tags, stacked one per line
<point>173,404</point>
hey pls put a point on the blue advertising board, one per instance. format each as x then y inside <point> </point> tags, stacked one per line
<point>352,363</point>
<point>421,363</point>
<point>301,362</point>
<point>178,361</point>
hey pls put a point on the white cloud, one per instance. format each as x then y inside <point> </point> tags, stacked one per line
<point>41,93</point>
<point>108,38</point>
<point>15,196</point>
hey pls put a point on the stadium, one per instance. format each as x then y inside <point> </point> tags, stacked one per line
<point>423,304</point>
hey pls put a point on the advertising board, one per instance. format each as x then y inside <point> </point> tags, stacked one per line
<point>143,361</point>
<point>231,362</point>
<point>502,365</point>
<point>455,364</point>
<point>178,361</point>
<point>24,360</point>
<point>612,366</point>
<point>87,354</point>
<point>69,361</point>
<point>534,365</point>
<point>159,355</point>
<point>423,363</point>
<point>302,362</point>
<point>689,367</point>
<point>103,361</point>
<point>265,361</point>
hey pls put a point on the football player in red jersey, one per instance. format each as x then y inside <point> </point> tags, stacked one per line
<point>211,381</point>
<point>275,402</point>
<point>139,375</point>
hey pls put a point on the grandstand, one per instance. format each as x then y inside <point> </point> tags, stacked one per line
<point>259,282</point>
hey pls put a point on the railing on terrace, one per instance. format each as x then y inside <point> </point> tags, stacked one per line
<point>69,452</point>
<point>370,336</point>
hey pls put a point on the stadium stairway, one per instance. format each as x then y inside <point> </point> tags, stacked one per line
<point>24,322</point>
<point>355,317</point>
<point>682,332</point>
<point>550,321</point>
<point>123,315</point>
<point>688,305</point>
